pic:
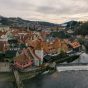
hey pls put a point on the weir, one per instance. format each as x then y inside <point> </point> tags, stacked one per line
<point>72,67</point>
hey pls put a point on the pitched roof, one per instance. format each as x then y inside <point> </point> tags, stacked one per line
<point>75,44</point>
<point>22,58</point>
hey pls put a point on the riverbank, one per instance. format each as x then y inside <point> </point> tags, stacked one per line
<point>69,79</point>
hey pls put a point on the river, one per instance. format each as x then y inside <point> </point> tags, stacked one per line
<point>68,79</point>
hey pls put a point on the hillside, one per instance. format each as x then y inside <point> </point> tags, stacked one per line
<point>19,22</point>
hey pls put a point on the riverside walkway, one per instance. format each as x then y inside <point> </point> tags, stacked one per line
<point>5,67</point>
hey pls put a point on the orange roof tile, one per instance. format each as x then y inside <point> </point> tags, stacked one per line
<point>75,44</point>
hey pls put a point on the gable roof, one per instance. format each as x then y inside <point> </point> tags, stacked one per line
<point>75,44</point>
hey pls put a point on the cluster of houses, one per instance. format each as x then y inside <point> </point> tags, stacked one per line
<point>28,48</point>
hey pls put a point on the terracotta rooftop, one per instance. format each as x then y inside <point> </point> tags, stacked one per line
<point>75,44</point>
<point>22,58</point>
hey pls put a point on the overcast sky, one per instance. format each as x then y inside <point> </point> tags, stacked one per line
<point>57,11</point>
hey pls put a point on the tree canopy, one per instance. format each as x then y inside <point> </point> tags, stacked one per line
<point>82,29</point>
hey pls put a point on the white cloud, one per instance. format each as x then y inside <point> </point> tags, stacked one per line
<point>46,10</point>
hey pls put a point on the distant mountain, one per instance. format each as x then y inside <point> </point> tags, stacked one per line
<point>70,24</point>
<point>19,22</point>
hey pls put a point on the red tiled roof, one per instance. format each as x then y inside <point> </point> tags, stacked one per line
<point>22,60</point>
<point>75,44</point>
